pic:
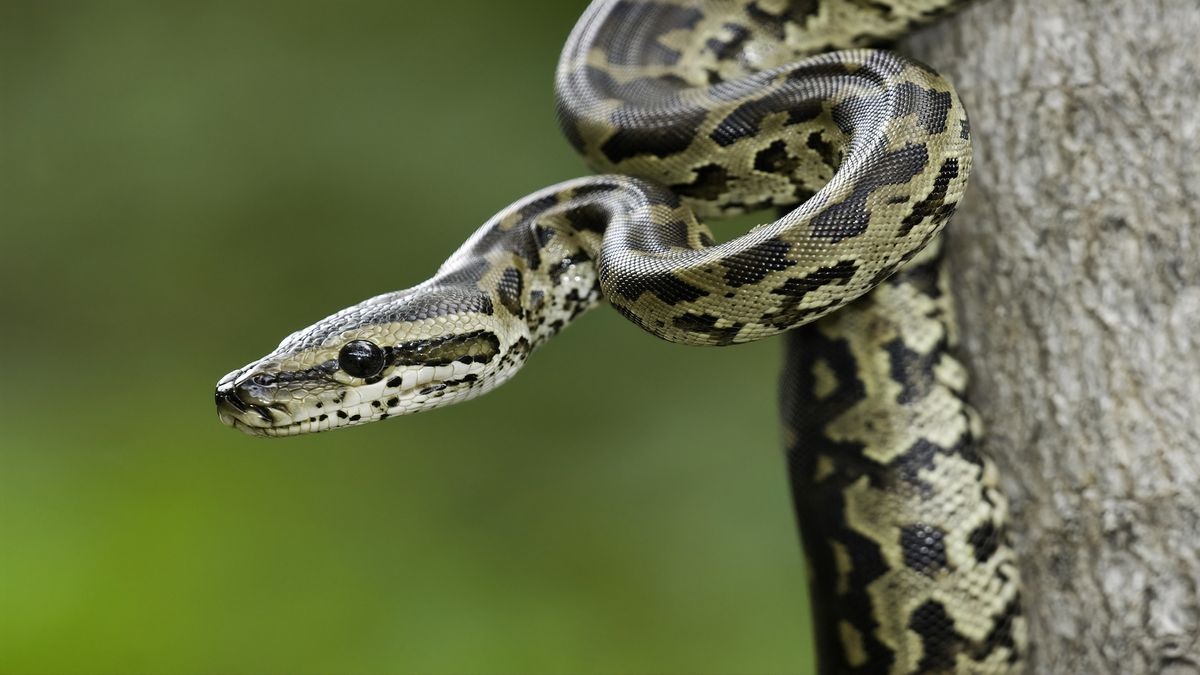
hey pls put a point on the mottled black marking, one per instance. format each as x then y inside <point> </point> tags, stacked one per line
<point>712,181</point>
<point>564,265</point>
<point>520,349</point>
<point>395,382</point>
<point>509,290</point>
<point>878,7</point>
<point>1001,634</point>
<point>466,379</point>
<point>985,540</point>
<point>754,263</point>
<point>775,159</point>
<point>525,245</point>
<point>934,205</point>
<point>542,235</point>
<point>393,402</point>
<point>820,505</point>
<point>851,217</point>
<point>580,301</point>
<point>589,218</point>
<point>812,72</point>
<point>724,49</point>
<point>637,135</point>
<point>796,289</point>
<point>706,324</point>
<point>796,12</point>
<point>533,208</point>
<point>828,153</point>
<point>745,121</point>
<point>432,388</point>
<point>924,548</point>
<point>918,458</point>
<point>932,106</point>
<point>479,346</point>
<point>663,284</point>
<point>912,370</point>
<point>939,640</point>
<point>342,414</point>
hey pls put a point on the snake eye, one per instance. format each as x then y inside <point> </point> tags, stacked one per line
<point>361,358</point>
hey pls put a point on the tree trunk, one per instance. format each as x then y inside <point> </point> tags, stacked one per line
<point>1076,258</point>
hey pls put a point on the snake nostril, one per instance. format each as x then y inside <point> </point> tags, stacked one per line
<point>227,395</point>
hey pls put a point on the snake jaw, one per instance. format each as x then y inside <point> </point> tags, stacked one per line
<point>241,405</point>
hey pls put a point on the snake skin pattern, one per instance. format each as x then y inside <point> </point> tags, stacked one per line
<point>694,109</point>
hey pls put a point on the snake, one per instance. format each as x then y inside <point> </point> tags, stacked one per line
<point>854,158</point>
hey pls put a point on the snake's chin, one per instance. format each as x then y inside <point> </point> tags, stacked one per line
<point>253,423</point>
<point>294,429</point>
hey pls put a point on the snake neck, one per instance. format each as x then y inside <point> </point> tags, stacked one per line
<point>537,264</point>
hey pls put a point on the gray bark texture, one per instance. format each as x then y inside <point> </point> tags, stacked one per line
<point>1076,258</point>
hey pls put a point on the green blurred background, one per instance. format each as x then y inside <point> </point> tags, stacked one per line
<point>181,185</point>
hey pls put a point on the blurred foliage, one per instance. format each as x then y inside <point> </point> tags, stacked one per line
<point>185,183</point>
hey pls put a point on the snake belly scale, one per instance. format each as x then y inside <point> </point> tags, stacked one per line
<point>698,109</point>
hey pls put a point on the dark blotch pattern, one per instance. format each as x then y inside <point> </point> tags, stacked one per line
<point>638,136</point>
<point>796,12</point>
<point>712,181</point>
<point>796,289</point>
<point>984,539</point>
<point>475,347</point>
<point>664,285</point>
<point>745,121</point>
<point>939,640</point>
<point>590,217</point>
<point>912,369</point>
<point>934,205</point>
<point>756,262</point>
<point>509,290</point>
<point>924,548</point>
<point>850,217</point>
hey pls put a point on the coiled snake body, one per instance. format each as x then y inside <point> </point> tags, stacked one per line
<point>698,109</point>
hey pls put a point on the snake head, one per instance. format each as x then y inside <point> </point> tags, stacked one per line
<point>394,354</point>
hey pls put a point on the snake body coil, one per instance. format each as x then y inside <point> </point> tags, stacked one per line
<point>698,109</point>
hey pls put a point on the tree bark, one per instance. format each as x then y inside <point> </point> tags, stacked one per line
<point>1076,258</point>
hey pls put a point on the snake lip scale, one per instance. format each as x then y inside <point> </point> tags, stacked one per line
<point>694,109</point>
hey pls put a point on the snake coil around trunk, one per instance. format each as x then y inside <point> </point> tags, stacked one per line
<point>698,109</point>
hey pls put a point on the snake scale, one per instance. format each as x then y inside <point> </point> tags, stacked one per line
<point>698,109</point>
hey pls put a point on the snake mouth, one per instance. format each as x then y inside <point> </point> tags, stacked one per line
<point>235,409</point>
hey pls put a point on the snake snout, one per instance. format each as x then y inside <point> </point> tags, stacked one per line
<point>236,403</point>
